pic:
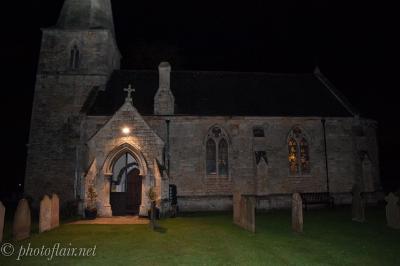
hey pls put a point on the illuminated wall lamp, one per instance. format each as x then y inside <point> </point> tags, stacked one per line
<point>126,130</point>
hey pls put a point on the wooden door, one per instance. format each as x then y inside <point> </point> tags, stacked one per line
<point>134,192</point>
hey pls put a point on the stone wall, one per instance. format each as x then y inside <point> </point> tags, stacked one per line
<point>274,201</point>
<point>98,52</point>
<point>205,203</point>
<point>187,152</point>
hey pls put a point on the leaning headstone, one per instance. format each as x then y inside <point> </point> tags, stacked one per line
<point>297,213</point>
<point>2,213</point>
<point>358,205</point>
<point>22,221</point>
<point>393,211</point>
<point>55,211</point>
<point>45,214</point>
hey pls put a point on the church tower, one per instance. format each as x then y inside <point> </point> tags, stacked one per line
<point>77,56</point>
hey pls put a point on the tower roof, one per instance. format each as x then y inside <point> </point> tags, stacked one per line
<point>86,14</point>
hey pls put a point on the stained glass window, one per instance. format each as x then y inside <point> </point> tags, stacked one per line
<point>304,157</point>
<point>217,151</point>
<point>223,158</point>
<point>293,165</point>
<point>211,157</point>
<point>299,156</point>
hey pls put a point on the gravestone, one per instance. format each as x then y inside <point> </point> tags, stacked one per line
<point>2,213</point>
<point>248,213</point>
<point>45,214</point>
<point>236,206</point>
<point>244,211</point>
<point>55,211</point>
<point>358,205</point>
<point>297,213</point>
<point>392,211</point>
<point>22,221</point>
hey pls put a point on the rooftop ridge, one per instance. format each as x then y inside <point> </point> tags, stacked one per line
<point>218,72</point>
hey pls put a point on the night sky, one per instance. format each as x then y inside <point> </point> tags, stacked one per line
<point>352,42</point>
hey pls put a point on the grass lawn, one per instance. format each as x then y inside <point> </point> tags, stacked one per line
<point>329,238</point>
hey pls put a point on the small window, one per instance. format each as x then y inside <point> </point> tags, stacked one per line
<point>258,132</point>
<point>261,155</point>
<point>74,58</point>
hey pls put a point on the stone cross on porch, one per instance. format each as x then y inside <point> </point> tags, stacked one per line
<point>129,90</point>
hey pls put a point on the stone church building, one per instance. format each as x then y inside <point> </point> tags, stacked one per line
<point>211,134</point>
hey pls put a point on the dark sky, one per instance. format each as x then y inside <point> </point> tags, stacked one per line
<point>352,41</point>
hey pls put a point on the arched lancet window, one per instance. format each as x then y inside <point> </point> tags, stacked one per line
<point>299,156</point>
<point>293,165</point>
<point>217,162</point>
<point>74,58</point>
<point>211,157</point>
<point>122,167</point>
<point>223,157</point>
<point>304,157</point>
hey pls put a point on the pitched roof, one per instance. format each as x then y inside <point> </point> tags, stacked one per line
<point>222,93</point>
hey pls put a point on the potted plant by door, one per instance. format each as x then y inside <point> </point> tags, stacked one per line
<point>91,209</point>
<point>151,194</point>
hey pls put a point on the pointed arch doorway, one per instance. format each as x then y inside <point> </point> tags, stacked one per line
<point>126,186</point>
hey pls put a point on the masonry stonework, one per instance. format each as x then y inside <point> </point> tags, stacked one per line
<point>60,93</point>
<point>187,137</point>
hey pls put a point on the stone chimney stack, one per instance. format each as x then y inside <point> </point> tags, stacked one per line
<point>164,70</point>
<point>164,100</point>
